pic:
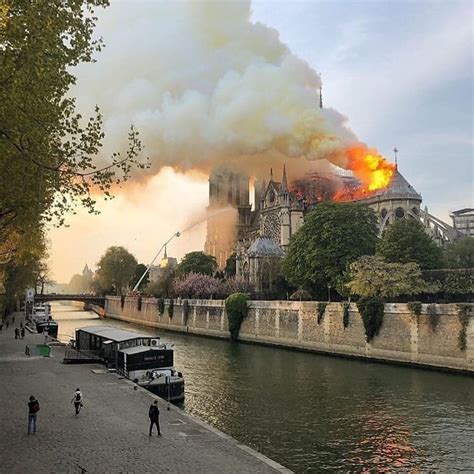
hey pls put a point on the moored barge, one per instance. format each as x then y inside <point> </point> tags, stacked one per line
<point>142,358</point>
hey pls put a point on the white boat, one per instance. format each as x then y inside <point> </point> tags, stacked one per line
<point>42,319</point>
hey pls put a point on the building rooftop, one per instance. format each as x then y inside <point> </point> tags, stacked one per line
<point>264,246</point>
<point>114,334</point>
<point>465,210</point>
<point>138,349</point>
<point>399,188</point>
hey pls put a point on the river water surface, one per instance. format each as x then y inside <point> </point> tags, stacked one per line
<point>317,413</point>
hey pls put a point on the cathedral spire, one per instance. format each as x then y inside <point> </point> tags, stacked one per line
<point>395,152</point>
<point>166,254</point>
<point>320,92</point>
<point>284,182</point>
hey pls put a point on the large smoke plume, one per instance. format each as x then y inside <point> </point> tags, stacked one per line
<point>205,86</point>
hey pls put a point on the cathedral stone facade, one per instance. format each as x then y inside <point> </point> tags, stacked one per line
<point>259,237</point>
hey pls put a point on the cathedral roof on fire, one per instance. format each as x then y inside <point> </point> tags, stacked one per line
<point>263,247</point>
<point>399,188</point>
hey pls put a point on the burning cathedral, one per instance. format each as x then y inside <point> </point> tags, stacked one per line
<point>258,232</point>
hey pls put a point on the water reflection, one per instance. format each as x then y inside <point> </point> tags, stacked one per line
<point>314,413</point>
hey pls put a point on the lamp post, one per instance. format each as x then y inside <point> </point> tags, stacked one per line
<point>177,234</point>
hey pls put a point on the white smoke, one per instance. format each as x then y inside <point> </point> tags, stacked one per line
<point>205,85</point>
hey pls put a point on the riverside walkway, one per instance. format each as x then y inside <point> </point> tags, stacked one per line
<point>111,432</point>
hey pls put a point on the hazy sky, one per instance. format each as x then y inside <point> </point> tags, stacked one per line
<point>402,73</point>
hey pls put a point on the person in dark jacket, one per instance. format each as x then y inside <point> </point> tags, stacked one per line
<point>23,333</point>
<point>33,409</point>
<point>17,333</point>
<point>154,414</point>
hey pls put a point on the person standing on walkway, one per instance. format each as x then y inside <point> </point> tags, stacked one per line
<point>154,415</point>
<point>17,333</point>
<point>33,409</point>
<point>77,399</point>
<point>23,333</point>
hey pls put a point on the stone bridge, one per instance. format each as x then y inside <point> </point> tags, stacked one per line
<point>92,299</point>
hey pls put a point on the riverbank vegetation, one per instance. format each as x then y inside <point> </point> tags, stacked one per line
<point>236,308</point>
<point>337,249</point>
<point>48,151</point>
<point>371,309</point>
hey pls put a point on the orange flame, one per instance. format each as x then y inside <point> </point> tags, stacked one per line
<point>370,168</point>
<point>373,170</point>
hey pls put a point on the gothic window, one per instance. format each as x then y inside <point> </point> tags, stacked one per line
<point>246,272</point>
<point>265,276</point>
<point>399,213</point>
<point>271,227</point>
<point>272,196</point>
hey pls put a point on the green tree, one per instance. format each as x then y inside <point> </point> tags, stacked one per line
<point>197,262</point>
<point>116,269</point>
<point>230,266</point>
<point>460,253</point>
<point>372,276</point>
<point>332,236</point>
<point>406,241</point>
<point>138,274</point>
<point>78,284</point>
<point>19,273</point>
<point>47,149</point>
<point>164,286</point>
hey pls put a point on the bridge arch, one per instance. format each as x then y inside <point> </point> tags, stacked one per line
<point>91,299</point>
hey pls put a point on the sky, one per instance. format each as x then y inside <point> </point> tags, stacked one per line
<point>400,71</point>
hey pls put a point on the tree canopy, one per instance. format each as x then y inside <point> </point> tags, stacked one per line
<point>139,270</point>
<point>406,241</point>
<point>460,253</point>
<point>47,149</point>
<point>333,236</point>
<point>372,276</point>
<point>116,268</point>
<point>79,284</point>
<point>197,262</point>
<point>231,266</point>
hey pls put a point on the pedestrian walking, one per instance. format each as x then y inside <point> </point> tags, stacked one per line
<point>13,319</point>
<point>27,351</point>
<point>17,333</point>
<point>154,415</point>
<point>1,326</point>
<point>33,409</point>
<point>7,323</point>
<point>77,399</point>
<point>21,325</point>
<point>23,333</point>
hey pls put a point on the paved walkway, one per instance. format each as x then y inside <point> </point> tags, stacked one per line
<point>111,432</point>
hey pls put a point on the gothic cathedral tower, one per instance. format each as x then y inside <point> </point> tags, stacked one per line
<point>229,213</point>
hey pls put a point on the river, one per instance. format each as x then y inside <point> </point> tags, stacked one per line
<point>317,413</point>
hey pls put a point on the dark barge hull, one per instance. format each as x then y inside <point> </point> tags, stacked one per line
<point>176,390</point>
<point>51,326</point>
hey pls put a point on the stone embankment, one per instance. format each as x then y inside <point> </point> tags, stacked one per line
<point>431,339</point>
<point>111,432</point>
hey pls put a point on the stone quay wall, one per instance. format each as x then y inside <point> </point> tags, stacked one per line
<point>403,338</point>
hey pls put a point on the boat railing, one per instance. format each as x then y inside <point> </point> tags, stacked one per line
<point>80,355</point>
